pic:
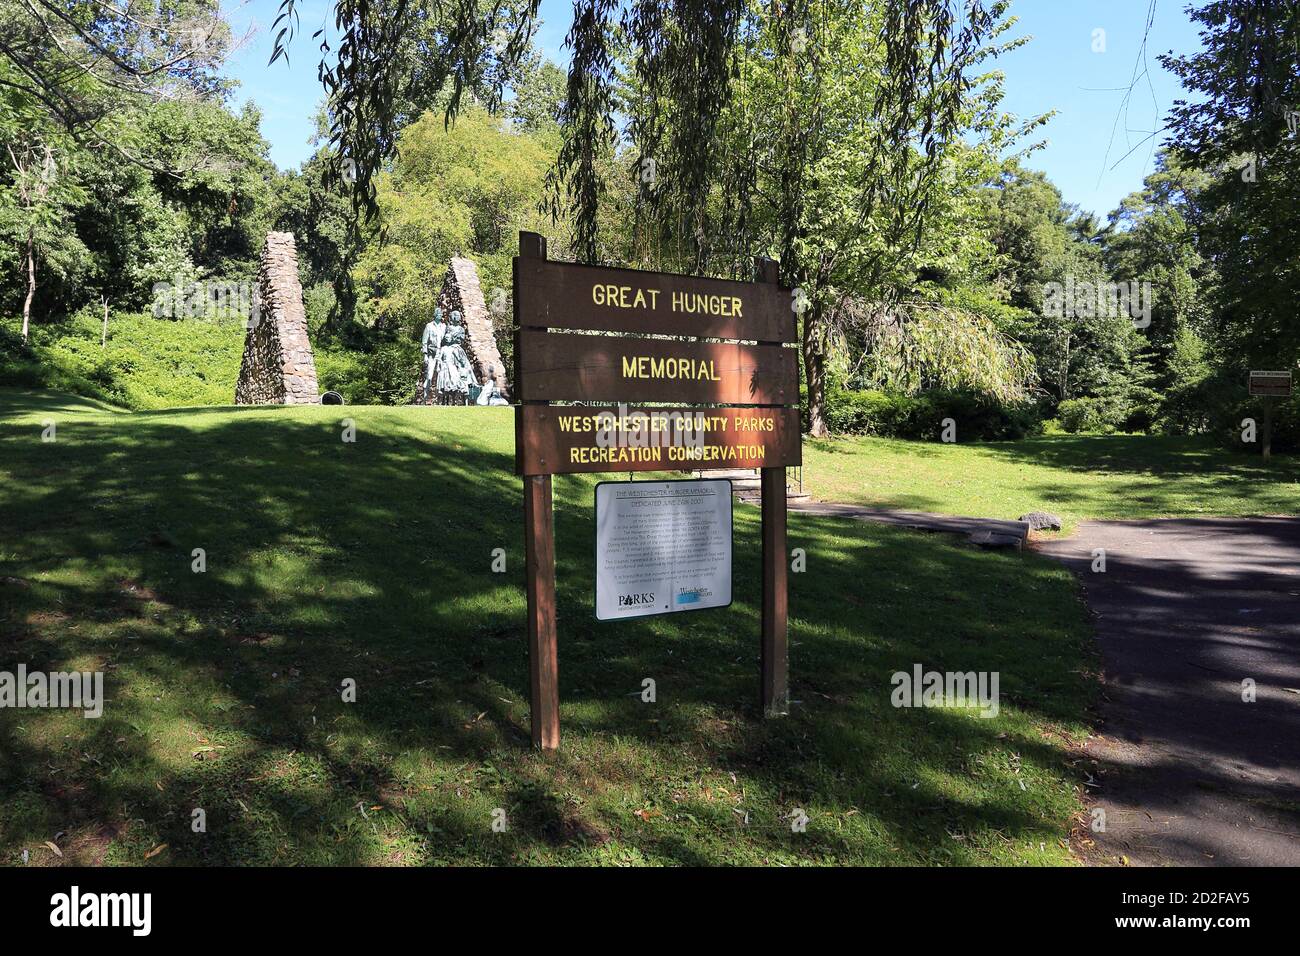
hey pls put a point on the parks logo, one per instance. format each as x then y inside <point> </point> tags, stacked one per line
<point>635,600</point>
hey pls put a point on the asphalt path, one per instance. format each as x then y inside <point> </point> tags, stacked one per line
<point>1198,620</point>
<point>1194,618</point>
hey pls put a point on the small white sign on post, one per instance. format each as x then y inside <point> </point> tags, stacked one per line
<point>1274,384</point>
<point>662,546</point>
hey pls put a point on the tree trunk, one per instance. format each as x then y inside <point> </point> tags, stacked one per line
<point>814,371</point>
<point>1065,370</point>
<point>103,335</point>
<point>31,286</point>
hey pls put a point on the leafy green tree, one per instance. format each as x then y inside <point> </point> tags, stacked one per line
<point>168,182</point>
<point>464,191</point>
<point>34,209</point>
<point>1051,265</point>
<point>1028,223</point>
<point>834,150</point>
<point>1237,126</point>
<point>221,181</point>
<point>319,214</point>
<point>1150,238</point>
<point>538,97</point>
<point>84,66</point>
<point>386,62</point>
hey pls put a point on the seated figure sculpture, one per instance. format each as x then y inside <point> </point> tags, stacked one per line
<point>487,393</point>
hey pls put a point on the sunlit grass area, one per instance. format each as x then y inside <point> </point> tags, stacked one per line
<point>1075,476</point>
<point>371,561</point>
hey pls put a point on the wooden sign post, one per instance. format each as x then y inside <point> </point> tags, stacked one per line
<point>735,404</point>
<point>539,564</point>
<point>774,689</point>
<point>1269,385</point>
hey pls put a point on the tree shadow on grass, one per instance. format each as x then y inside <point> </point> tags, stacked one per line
<point>1090,475</point>
<point>329,561</point>
<point>24,402</point>
<point>1165,457</point>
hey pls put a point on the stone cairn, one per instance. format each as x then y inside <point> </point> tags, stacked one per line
<point>278,366</point>
<point>461,291</point>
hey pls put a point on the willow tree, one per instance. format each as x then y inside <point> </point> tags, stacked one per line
<point>829,144</point>
<point>839,150</point>
<point>690,61</point>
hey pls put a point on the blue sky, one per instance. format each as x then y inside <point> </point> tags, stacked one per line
<point>1059,69</point>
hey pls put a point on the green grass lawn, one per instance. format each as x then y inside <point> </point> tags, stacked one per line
<point>371,560</point>
<point>1075,476</point>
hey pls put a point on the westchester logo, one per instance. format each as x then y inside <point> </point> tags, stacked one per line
<point>74,909</point>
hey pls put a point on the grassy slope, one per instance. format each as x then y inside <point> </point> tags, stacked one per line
<point>147,363</point>
<point>1076,476</point>
<point>371,560</point>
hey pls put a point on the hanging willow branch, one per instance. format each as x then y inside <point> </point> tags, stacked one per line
<point>391,53</point>
<point>587,118</point>
<point>682,56</point>
<point>914,345</point>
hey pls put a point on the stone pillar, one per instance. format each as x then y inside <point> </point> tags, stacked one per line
<point>461,291</point>
<point>278,366</point>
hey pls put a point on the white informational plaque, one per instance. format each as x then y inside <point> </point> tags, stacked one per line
<point>662,546</point>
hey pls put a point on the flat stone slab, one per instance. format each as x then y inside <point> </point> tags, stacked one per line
<point>994,532</point>
<point>992,539</point>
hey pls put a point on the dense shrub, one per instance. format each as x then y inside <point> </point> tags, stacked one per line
<point>18,363</point>
<point>339,370</point>
<point>388,374</point>
<point>1135,409</point>
<point>1194,408</point>
<point>867,412</point>
<point>151,363</point>
<point>978,417</point>
<point>893,415</point>
<point>318,301</point>
<point>146,363</point>
<point>1091,415</point>
<point>1286,424</point>
<point>1219,403</point>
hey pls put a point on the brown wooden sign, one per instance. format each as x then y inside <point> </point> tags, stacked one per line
<point>561,295</point>
<point>565,439</point>
<point>603,368</point>
<point>1273,384</point>
<point>750,419</point>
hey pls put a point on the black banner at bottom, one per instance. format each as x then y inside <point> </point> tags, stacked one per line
<point>334,906</point>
